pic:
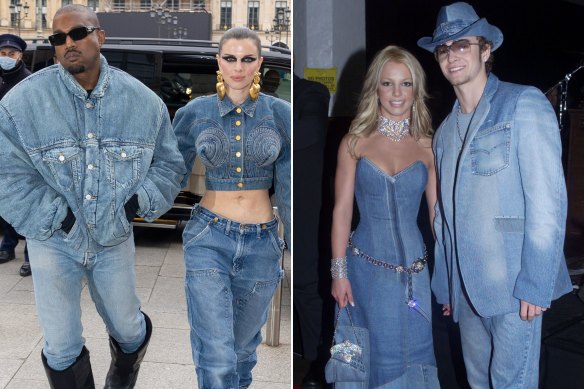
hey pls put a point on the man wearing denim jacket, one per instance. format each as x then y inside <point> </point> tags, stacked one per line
<point>85,148</point>
<point>502,206</point>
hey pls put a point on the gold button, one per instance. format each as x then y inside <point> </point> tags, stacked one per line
<point>240,184</point>
<point>237,137</point>
<point>264,226</point>
<point>238,169</point>
<point>238,154</point>
<point>238,110</point>
<point>238,123</point>
<point>215,219</point>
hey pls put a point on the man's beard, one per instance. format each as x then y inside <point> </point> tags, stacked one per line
<point>76,69</point>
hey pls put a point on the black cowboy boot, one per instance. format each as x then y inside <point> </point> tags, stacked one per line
<point>76,376</point>
<point>124,367</point>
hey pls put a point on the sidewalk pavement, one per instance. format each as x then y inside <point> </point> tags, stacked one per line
<point>160,284</point>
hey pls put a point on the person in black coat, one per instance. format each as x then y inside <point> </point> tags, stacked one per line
<point>310,119</point>
<point>12,71</point>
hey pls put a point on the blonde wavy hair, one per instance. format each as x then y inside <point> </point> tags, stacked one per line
<point>368,111</point>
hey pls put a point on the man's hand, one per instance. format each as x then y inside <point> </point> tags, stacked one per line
<point>529,311</point>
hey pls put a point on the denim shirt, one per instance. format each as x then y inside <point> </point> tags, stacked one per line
<point>500,221</point>
<point>64,148</point>
<point>242,147</point>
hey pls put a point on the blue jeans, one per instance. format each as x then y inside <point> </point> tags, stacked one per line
<point>232,271</point>
<point>503,348</point>
<point>59,269</point>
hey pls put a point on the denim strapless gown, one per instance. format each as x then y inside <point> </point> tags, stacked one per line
<point>400,337</point>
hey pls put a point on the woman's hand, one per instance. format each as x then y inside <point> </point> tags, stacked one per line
<point>342,293</point>
<point>446,310</point>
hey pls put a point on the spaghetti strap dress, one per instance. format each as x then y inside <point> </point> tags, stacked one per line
<point>390,279</point>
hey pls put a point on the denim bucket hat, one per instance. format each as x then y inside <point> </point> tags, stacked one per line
<point>459,20</point>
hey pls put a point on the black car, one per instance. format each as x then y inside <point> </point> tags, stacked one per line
<point>178,71</point>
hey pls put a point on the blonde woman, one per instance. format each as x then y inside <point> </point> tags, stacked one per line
<point>380,269</point>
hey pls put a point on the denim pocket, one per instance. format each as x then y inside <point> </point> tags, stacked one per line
<point>123,165</point>
<point>195,230</point>
<point>490,150</point>
<point>64,164</point>
<point>277,242</point>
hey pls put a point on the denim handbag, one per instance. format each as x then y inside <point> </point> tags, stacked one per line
<point>349,361</point>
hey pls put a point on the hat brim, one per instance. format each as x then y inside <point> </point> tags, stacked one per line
<point>11,44</point>
<point>479,28</point>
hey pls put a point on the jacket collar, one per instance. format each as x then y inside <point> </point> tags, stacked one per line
<point>75,88</point>
<point>226,106</point>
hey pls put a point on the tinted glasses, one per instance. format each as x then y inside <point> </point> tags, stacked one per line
<point>76,34</point>
<point>461,46</point>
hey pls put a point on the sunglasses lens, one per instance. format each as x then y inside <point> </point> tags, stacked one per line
<point>58,39</point>
<point>78,33</point>
<point>460,46</point>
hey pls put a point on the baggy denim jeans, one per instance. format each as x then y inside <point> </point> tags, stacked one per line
<point>232,271</point>
<point>59,267</point>
<point>501,351</point>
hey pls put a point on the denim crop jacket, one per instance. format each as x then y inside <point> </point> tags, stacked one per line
<point>500,219</point>
<point>62,148</point>
<point>242,147</point>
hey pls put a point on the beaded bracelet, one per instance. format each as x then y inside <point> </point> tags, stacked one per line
<point>339,267</point>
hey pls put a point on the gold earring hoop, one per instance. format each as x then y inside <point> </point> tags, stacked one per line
<point>254,90</point>
<point>220,85</point>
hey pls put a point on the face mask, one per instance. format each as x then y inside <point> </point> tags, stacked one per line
<point>7,63</point>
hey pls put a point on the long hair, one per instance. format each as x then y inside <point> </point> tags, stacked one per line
<point>368,111</point>
<point>241,33</point>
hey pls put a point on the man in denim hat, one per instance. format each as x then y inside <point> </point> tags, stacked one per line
<point>502,210</point>
<point>12,71</point>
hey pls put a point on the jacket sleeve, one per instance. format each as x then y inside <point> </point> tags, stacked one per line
<point>539,157</point>
<point>282,180</point>
<point>183,124</point>
<point>28,203</point>
<point>166,170</point>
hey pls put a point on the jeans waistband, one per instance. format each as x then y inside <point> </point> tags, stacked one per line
<point>231,225</point>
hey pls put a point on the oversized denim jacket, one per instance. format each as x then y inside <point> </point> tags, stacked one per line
<point>242,147</point>
<point>500,219</point>
<point>62,148</point>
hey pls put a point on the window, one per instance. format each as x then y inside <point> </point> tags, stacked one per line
<point>198,5</point>
<point>65,2</point>
<point>145,5</point>
<point>93,4</point>
<point>119,5</point>
<point>225,21</point>
<point>281,8</point>
<point>172,5</point>
<point>253,15</point>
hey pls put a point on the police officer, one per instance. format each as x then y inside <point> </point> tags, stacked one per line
<point>12,71</point>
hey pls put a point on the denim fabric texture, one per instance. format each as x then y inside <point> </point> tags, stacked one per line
<point>63,147</point>
<point>400,337</point>
<point>509,345</point>
<point>353,374</point>
<point>500,226</point>
<point>59,267</point>
<point>501,218</point>
<point>242,147</point>
<point>232,271</point>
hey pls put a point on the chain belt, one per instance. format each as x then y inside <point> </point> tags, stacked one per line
<point>417,266</point>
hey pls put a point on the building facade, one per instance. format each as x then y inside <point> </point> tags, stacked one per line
<point>271,18</point>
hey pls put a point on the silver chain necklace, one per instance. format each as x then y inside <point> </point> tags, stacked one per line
<point>394,130</point>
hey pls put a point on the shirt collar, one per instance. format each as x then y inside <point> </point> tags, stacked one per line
<point>226,106</point>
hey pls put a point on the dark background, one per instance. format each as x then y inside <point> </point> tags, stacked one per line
<point>543,41</point>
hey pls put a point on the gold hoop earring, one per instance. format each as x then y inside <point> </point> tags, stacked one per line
<point>220,85</point>
<point>254,90</point>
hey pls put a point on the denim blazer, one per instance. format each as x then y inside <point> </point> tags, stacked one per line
<point>242,147</point>
<point>502,204</point>
<point>64,148</point>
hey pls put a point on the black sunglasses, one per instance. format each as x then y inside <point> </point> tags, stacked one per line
<point>76,34</point>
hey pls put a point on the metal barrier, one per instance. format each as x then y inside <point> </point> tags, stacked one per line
<point>275,312</point>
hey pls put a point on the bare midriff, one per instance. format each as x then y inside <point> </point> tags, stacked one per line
<point>247,206</point>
